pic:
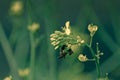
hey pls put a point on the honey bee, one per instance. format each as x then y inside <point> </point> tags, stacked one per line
<point>64,51</point>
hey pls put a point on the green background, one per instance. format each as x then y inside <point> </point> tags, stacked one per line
<point>52,15</point>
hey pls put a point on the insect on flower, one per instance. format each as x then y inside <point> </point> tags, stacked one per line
<point>64,51</point>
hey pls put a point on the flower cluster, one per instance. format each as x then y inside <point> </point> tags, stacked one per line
<point>65,40</point>
<point>60,38</point>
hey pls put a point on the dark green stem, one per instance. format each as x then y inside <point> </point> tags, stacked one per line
<point>8,54</point>
<point>91,41</point>
<point>32,44</point>
<point>94,56</point>
<point>32,58</point>
<point>96,61</point>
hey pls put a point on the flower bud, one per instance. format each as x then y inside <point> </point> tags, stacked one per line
<point>67,30</point>
<point>34,27</point>
<point>67,24</point>
<point>92,29</point>
<point>82,58</point>
<point>16,7</point>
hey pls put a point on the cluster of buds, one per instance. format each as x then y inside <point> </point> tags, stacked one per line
<point>61,39</point>
<point>92,29</point>
<point>99,53</point>
<point>79,40</point>
<point>56,38</point>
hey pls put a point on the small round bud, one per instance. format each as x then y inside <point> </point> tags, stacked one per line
<point>82,58</point>
<point>92,28</point>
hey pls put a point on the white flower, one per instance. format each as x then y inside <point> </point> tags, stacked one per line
<point>82,58</point>
<point>67,30</point>
<point>92,28</point>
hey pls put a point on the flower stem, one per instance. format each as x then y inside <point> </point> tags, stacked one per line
<point>98,68</point>
<point>32,44</point>
<point>90,41</point>
<point>94,56</point>
<point>96,61</point>
<point>32,58</point>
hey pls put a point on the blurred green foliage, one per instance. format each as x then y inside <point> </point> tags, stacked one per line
<point>51,15</point>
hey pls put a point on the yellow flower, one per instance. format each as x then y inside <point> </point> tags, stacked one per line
<point>82,58</point>
<point>16,7</point>
<point>34,27</point>
<point>80,41</point>
<point>8,78</point>
<point>24,72</point>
